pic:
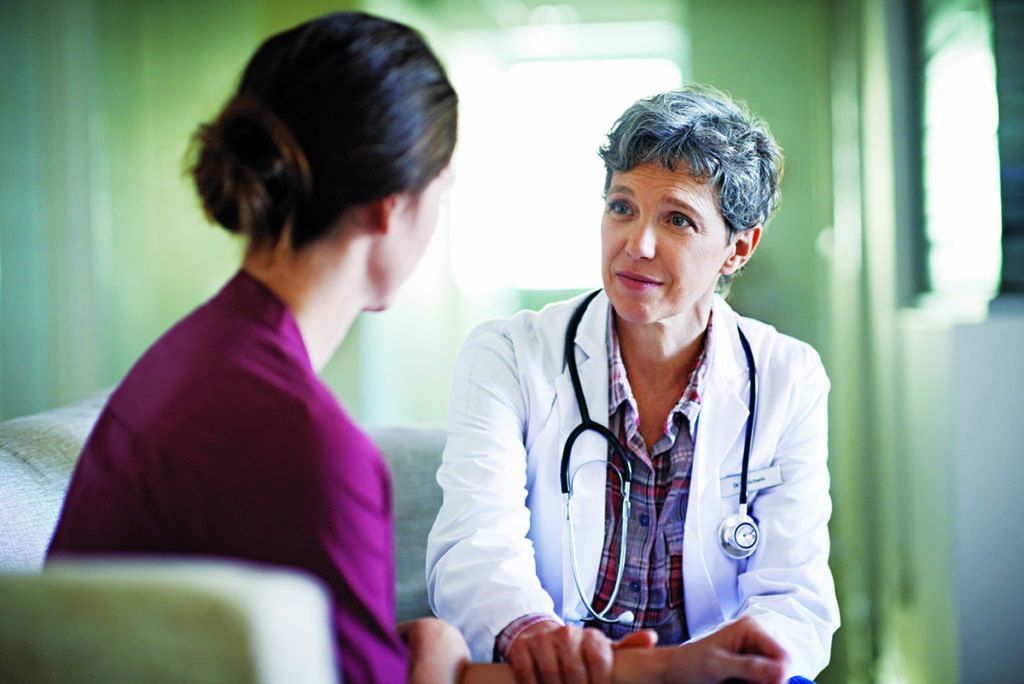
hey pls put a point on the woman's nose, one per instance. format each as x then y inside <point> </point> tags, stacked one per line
<point>640,242</point>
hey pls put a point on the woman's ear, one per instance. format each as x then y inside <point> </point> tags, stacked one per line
<point>744,243</point>
<point>376,216</point>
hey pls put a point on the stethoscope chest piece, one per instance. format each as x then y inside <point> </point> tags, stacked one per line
<point>738,535</point>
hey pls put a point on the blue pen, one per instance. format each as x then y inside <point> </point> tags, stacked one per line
<point>800,680</point>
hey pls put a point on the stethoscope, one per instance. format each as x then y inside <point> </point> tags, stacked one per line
<point>738,534</point>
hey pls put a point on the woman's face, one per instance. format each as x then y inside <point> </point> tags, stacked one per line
<point>664,244</point>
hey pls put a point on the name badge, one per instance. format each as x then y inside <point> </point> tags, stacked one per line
<point>756,479</point>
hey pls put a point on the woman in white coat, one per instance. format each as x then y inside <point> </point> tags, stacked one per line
<point>692,179</point>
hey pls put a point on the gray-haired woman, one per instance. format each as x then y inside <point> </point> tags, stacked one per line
<point>557,541</point>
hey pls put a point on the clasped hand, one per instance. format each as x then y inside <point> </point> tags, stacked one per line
<point>550,653</point>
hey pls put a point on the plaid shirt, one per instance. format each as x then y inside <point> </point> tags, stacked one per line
<point>652,581</point>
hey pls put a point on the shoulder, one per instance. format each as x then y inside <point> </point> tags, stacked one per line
<point>242,390</point>
<point>532,334</point>
<point>520,358</point>
<point>221,363</point>
<point>776,353</point>
<point>516,360</point>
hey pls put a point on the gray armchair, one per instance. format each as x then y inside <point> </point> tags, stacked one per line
<point>174,620</point>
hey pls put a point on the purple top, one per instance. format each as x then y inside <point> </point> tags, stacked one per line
<point>222,440</point>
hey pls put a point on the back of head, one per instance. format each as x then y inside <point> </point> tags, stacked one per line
<point>336,112</point>
<point>701,131</point>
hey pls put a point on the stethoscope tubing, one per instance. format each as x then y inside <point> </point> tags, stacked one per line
<point>750,420</point>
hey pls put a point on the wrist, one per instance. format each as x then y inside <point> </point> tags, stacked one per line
<point>640,665</point>
<point>534,622</point>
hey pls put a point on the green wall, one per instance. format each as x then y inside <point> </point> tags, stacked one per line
<point>102,242</point>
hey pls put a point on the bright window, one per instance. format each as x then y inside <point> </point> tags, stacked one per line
<point>961,159</point>
<point>526,207</point>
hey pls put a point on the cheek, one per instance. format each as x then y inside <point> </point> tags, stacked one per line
<point>430,228</point>
<point>608,244</point>
<point>721,259</point>
<point>428,224</point>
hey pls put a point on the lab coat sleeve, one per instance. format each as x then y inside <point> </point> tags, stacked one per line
<point>787,585</point>
<point>481,573</point>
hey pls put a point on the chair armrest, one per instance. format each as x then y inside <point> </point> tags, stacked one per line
<point>137,619</point>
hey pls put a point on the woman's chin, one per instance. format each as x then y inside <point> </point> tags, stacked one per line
<point>629,306</point>
<point>381,305</point>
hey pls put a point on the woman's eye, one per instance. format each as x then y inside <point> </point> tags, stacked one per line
<point>618,207</point>
<point>680,221</point>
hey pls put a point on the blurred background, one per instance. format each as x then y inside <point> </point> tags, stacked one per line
<point>898,251</point>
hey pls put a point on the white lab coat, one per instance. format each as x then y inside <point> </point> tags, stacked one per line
<point>498,549</point>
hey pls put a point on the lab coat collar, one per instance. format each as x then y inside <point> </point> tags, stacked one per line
<point>728,355</point>
<point>591,359</point>
<point>590,337</point>
<point>724,408</point>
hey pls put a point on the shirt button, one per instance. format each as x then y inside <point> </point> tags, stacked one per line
<point>634,585</point>
<point>645,520</point>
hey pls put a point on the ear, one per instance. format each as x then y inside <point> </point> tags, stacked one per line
<point>743,245</point>
<point>377,216</point>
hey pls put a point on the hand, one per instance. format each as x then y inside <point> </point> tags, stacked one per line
<point>437,651</point>
<point>550,653</point>
<point>740,650</point>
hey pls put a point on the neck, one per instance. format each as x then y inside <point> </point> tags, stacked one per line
<point>323,285</point>
<point>661,355</point>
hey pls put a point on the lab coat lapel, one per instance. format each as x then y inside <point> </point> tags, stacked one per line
<point>588,502</point>
<point>723,416</point>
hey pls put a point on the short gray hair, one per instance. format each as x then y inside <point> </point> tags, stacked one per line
<point>714,138</point>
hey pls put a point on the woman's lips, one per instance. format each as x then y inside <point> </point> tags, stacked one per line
<point>636,282</point>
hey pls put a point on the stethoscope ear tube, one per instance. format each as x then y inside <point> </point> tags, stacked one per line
<point>570,355</point>
<point>750,419</point>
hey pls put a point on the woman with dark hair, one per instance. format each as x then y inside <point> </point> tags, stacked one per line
<point>643,457</point>
<point>331,159</point>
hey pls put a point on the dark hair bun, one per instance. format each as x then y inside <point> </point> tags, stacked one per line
<point>339,111</point>
<point>251,174</point>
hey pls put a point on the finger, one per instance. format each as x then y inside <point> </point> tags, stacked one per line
<point>760,643</point>
<point>645,638</point>
<point>521,660</point>
<point>572,668</point>
<point>753,639</point>
<point>546,659</point>
<point>753,668</point>
<point>598,656</point>
<point>522,653</point>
